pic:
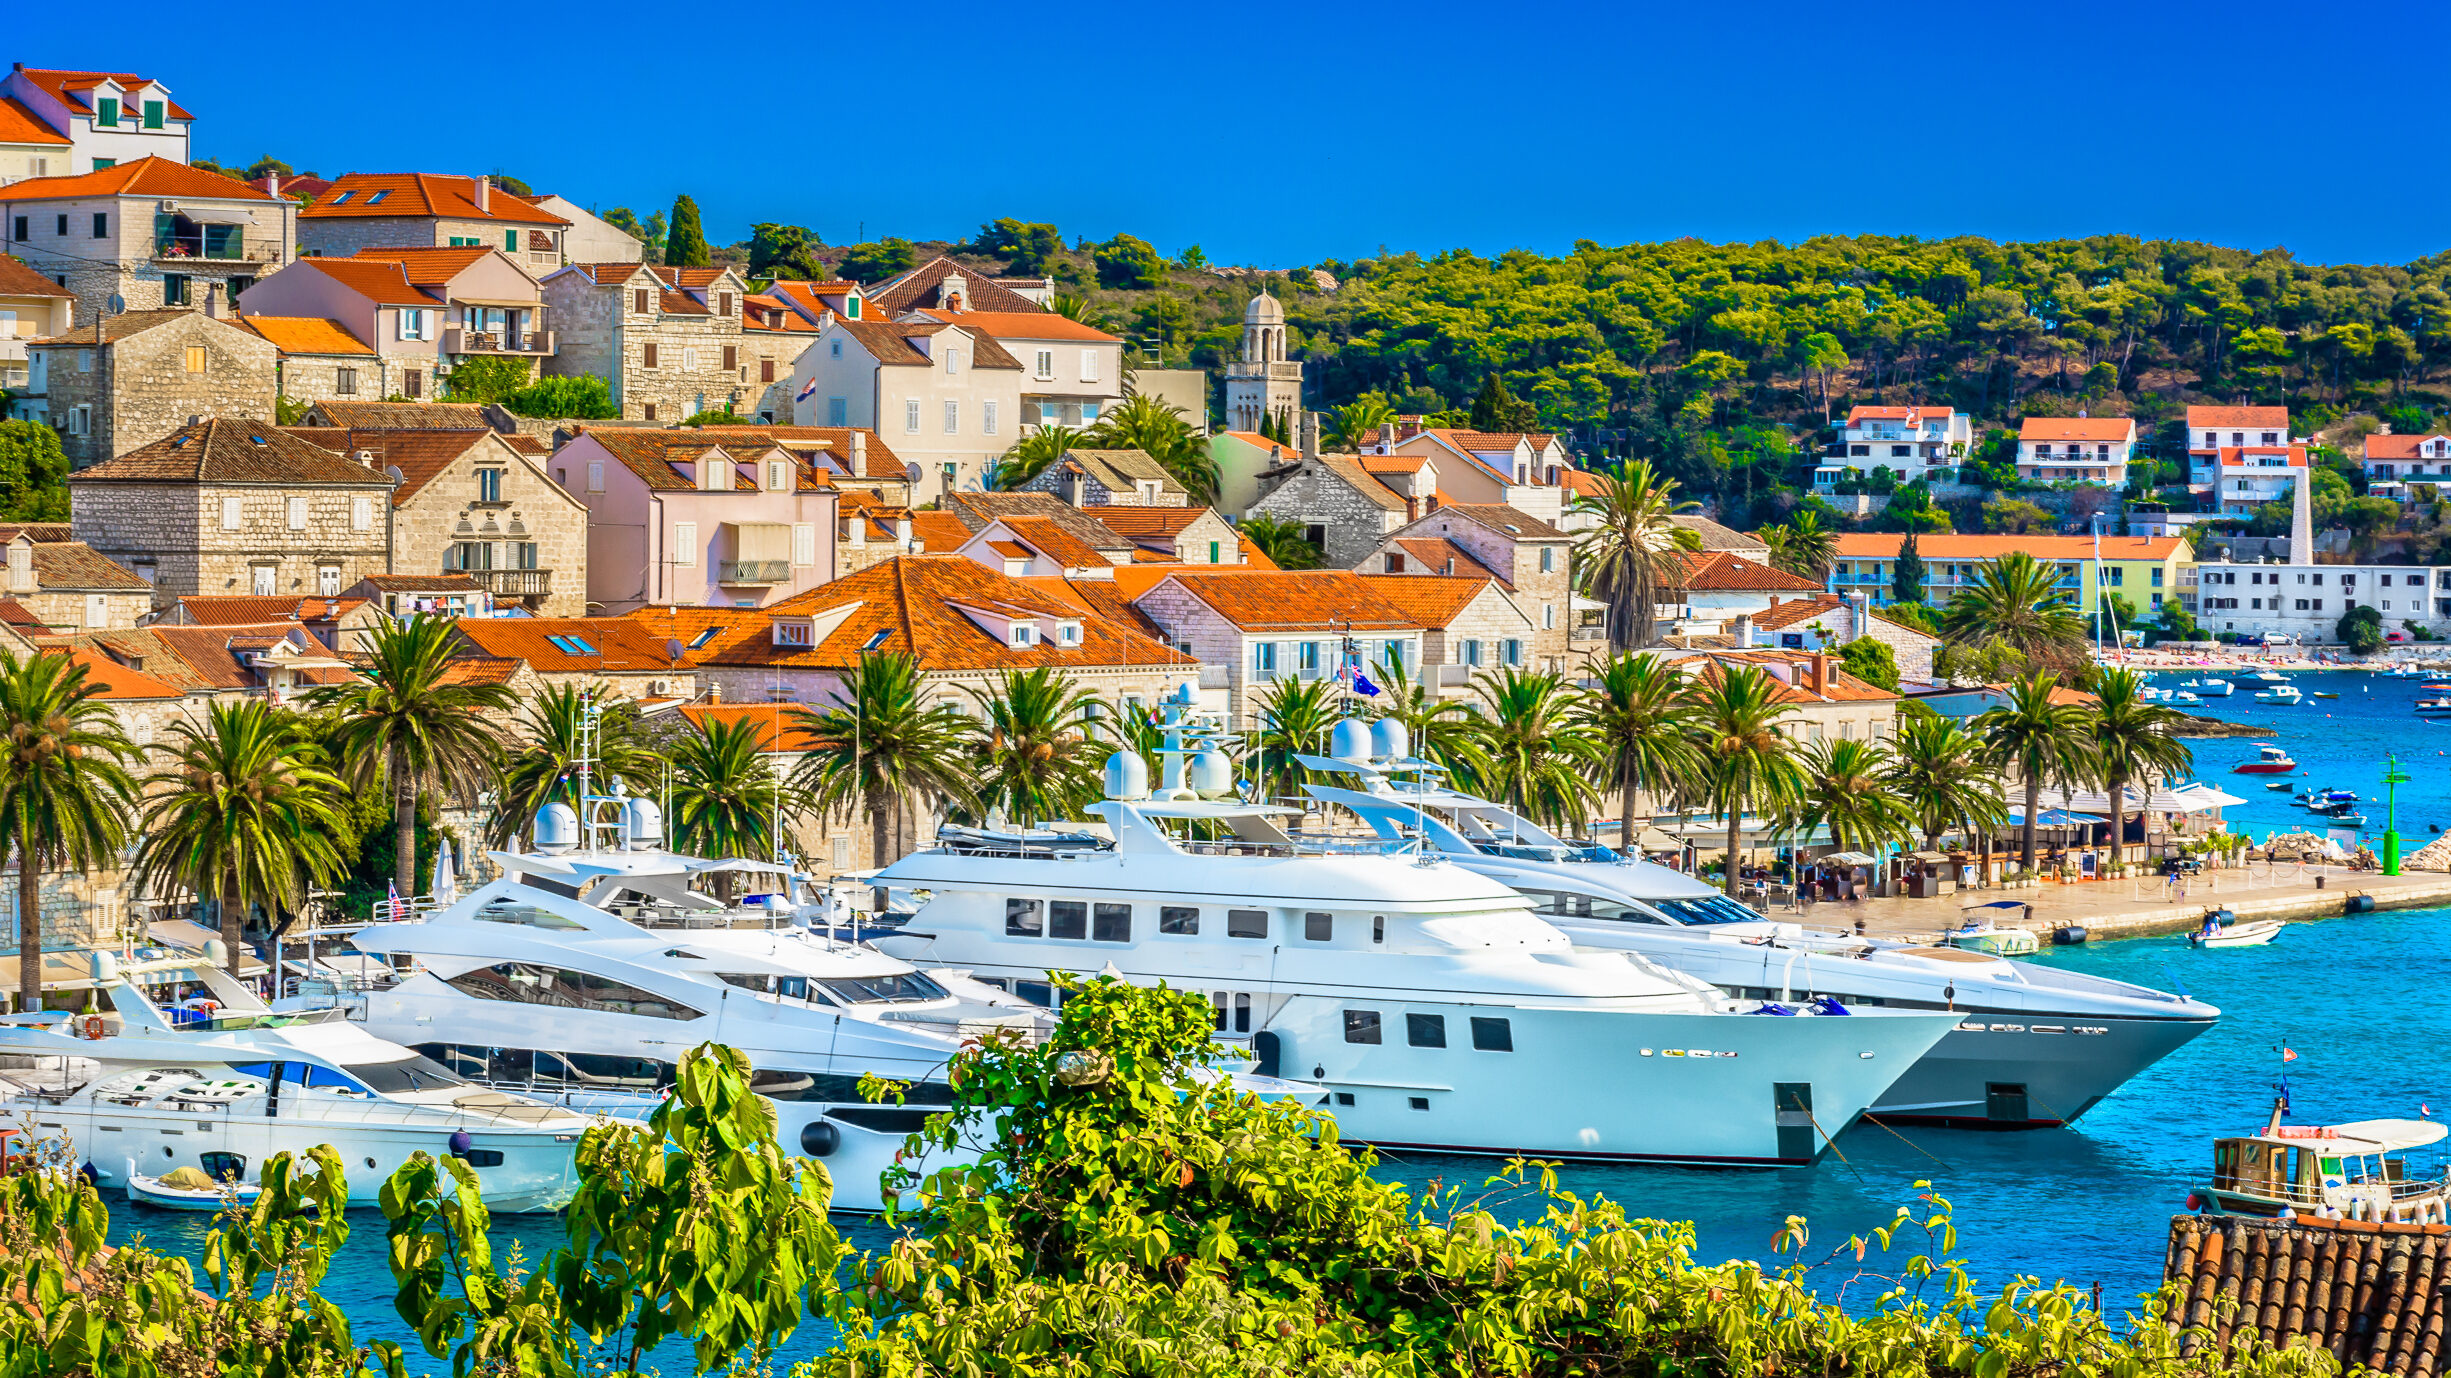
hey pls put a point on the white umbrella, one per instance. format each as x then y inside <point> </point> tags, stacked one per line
<point>445,889</point>
<point>1851,859</point>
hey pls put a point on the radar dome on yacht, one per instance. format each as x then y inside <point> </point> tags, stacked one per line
<point>557,828</point>
<point>106,969</point>
<point>1127,776</point>
<point>1350,740</point>
<point>1389,739</point>
<point>1211,773</point>
<point>642,823</point>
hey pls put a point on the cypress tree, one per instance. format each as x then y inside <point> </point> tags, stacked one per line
<point>1906,578</point>
<point>684,239</point>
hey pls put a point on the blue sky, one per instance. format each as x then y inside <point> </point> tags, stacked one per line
<point>1280,133</point>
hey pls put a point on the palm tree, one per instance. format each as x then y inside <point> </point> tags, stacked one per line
<point>407,722</point>
<point>2017,602</point>
<point>877,746</point>
<point>1032,758</point>
<point>243,813</point>
<point>1629,554</point>
<point>1072,306</point>
<point>1845,788</point>
<point>2049,743</point>
<point>1644,724</point>
<point>1357,423</point>
<point>1438,730</point>
<point>2133,740</point>
<point>1282,541</point>
<point>1536,746</point>
<point>1941,771</point>
<point>1150,424</point>
<point>1031,454</point>
<point>1746,764</point>
<point>727,800</point>
<point>65,790</point>
<point>1804,547</point>
<point>544,769</point>
<point>1294,718</point>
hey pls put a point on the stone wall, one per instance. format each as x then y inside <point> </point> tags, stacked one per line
<point>175,530</point>
<point>770,402</point>
<point>121,261</point>
<point>533,510</point>
<point>1313,496</point>
<point>140,388</point>
<point>317,377</point>
<point>1518,562</point>
<point>599,335</point>
<point>341,236</point>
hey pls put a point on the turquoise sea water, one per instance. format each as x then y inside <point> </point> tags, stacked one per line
<point>2089,1204</point>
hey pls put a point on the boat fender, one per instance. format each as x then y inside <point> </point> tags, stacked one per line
<point>93,1026</point>
<point>2195,1202</point>
<point>819,1138</point>
<point>1828,1004</point>
<point>2070,935</point>
<point>1269,1049</point>
<point>461,1143</point>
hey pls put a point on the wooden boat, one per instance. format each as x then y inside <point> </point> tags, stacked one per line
<point>2342,1171</point>
<point>186,1189</point>
<point>2322,694</point>
<point>2279,784</point>
<point>2231,933</point>
<point>2269,760</point>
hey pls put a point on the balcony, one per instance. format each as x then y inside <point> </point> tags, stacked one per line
<point>461,340</point>
<point>752,571</point>
<point>174,251</point>
<point>513,583</point>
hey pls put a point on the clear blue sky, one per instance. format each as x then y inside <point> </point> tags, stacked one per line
<point>1280,133</point>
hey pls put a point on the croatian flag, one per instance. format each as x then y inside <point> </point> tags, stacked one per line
<point>806,392</point>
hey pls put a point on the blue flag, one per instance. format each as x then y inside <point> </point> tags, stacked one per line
<point>1362,684</point>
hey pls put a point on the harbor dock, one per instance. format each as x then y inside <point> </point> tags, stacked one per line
<point>2140,907</point>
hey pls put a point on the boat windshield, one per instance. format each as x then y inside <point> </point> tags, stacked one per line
<point>1566,851</point>
<point>409,1074</point>
<point>903,988</point>
<point>1708,909</point>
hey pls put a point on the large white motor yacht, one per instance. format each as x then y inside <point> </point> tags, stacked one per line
<point>594,962</point>
<point>1437,1009</point>
<point>226,1088</point>
<point>2034,1045</point>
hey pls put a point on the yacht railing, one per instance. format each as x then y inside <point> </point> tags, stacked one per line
<point>327,1106</point>
<point>1305,844</point>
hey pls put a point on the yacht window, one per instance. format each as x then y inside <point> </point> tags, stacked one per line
<point>1318,928</point>
<point>1361,1026</point>
<point>889,988</point>
<point>1112,923</point>
<point>1217,1001</point>
<point>605,1071</point>
<point>784,1084</point>
<point>790,987</point>
<point>409,1074</point>
<point>1378,928</point>
<point>1492,1035</point>
<point>523,983</point>
<point>1246,923</point>
<point>1708,909</point>
<point>482,1157</point>
<point>1426,1030</point>
<point>528,914</point>
<point>1021,919</point>
<point>1242,1011</point>
<point>1177,918</point>
<point>1038,993</point>
<point>1067,919</point>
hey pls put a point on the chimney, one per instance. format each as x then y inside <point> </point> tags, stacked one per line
<point>1306,428</point>
<point>902,531</point>
<point>1821,673</point>
<point>714,693</point>
<point>1387,434</point>
<point>1742,631</point>
<point>483,195</point>
<point>272,185</point>
<point>212,300</point>
<point>859,453</point>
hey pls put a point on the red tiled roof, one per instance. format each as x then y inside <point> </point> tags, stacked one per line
<point>1022,325</point>
<point>294,187</point>
<point>147,176</point>
<point>1042,535</point>
<point>618,643</point>
<point>2392,446</point>
<point>1439,556</point>
<point>1289,600</point>
<point>117,681</point>
<point>699,629</point>
<point>18,615</point>
<point>938,531</point>
<point>1840,688</point>
<point>1794,610</point>
<point>918,288</point>
<point>1506,521</point>
<point>427,266</point>
<point>232,450</point>
<point>19,125</point>
<point>419,195</point>
<point>250,610</point>
<point>2367,1291</point>
<point>305,334</point>
<point>18,280</point>
<point>1859,414</point>
<point>2111,428</point>
<point>1429,602</point>
<point>1718,570</point>
<point>379,280</point>
<point>2237,454</point>
<point>421,456</point>
<point>778,727</point>
<point>71,88</point>
<point>2244,418</point>
<point>976,510</point>
<point>1151,525</point>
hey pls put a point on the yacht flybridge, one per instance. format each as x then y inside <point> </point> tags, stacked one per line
<point>598,959</point>
<point>138,1096</point>
<point>2032,1045</point>
<point>1435,1007</point>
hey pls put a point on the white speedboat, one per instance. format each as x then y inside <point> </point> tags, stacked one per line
<point>2212,688</point>
<point>1439,1010</point>
<point>2220,932</point>
<point>2183,696</point>
<point>584,973</point>
<point>2265,677</point>
<point>2279,693</point>
<point>2035,1045</point>
<point>221,1094</point>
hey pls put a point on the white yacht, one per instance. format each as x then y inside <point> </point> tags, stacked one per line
<point>230,1086</point>
<point>2034,1045</point>
<point>595,961</point>
<point>1436,1008</point>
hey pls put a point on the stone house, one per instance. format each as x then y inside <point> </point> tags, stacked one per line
<point>1468,625</point>
<point>1242,459</point>
<point>320,359</point>
<point>949,397</point>
<point>479,504</point>
<point>336,622</point>
<point>377,210</point>
<point>773,337</point>
<point>412,595</point>
<point>1104,478</point>
<point>1710,536</point>
<point>67,586</point>
<point>1250,628</point>
<point>125,381</point>
<point>147,234</point>
<point>235,506</point>
<point>1529,557</point>
<point>667,341</point>
<point>1827,622</point>
<point>1342,508</point>
<point>31,307</point>
<point>612,654</point>
<point>1528,471</point>
<point>1716,588</point>
<point>1178,535</point>
<point>423,310</point>
<point>720,516</point>
<point>92,120</point>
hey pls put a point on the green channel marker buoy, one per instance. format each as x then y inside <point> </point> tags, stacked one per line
<point>2393,779</point>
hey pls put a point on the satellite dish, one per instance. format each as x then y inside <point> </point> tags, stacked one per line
<point>673,648</point>
<point>392,472</point>
<point>119,304</point>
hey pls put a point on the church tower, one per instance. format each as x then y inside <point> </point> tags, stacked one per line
<point>1265,383</point>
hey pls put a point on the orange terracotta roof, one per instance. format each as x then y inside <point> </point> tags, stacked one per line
<point>1436,555</point>
<point>921,287</point>
<point>1870,545</point>
<point>1719,570</point>
<point>1506,521</point>
<point>1022,325</point>
<point>306,334</point>
<point>1841,687</point>
<point>2392,446</point>
<point>1432,601</point>
<point>2244,418</point>
<point>482,670</point>
<point>2367,1291</point>
<point>653,454</point>
<point>1011,550</point>
<point>570,644</point>
<point>19,125</point>
<point>421,456</point>
<point>2237,454</point>
<point>1291,600</point>
<point>1046,538</point>
<point>1253,556</point>
<point>231,450</point>
<point>147,176</point>
<point>976,510</point>
<point>878,461</point>
<point>430,267</point>
<point>73,87</point>
<point>1394,464</point>
<point>1859,414</point>
<point>379,280</point>
<point>18,615</point>
<point>117,681</point>
<point>420,195</point>
<point>778,726</point>
<point>1151,525</point>
<point>18,280</point>
<point>698,629</point>
<point>1789,612</point>
<point>248,610</point>
<point>2110,428</point>
<point>939,531</point>
<point>1099,598</point>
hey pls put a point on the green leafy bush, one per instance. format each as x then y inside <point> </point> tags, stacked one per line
<point>481,378</point>
<point>1127,261</point>
<point>563,397</point>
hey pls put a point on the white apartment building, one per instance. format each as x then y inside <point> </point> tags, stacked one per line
<point>92,120</point>
<point>2242,480</point>
<point>2212,430</point>
<point>2076,449</point>
<point>2393,462</point>
<point>2306,601</point>
<point>946,397</point>
<point>1912,442</point>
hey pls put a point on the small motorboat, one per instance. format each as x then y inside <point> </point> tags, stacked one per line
<point>2433,707</point>
<point>1982,935</point>
<point>2322,694</point>
<point>2279,693</point>
<point>2436,688</point>
<point>2269,760</point>
<point>2215,688</point>
<point>2184,697</point>
<point>2337,1172</point>
<point>2265,677</point>
<point>2279,784</point>
<point>186,1189</point>
<point>2343,819</point>
<point>2220,930</point>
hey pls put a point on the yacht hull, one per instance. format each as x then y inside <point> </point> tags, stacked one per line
<point>2029,1071</point>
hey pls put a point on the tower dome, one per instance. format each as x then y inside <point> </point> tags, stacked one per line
<point>1264,310</point>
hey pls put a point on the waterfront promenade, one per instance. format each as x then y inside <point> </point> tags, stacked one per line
<point>2139,906</point>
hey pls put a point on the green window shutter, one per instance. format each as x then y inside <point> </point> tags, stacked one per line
<point>510,241</point>
<point>106,115</point>
<point>153,114</point>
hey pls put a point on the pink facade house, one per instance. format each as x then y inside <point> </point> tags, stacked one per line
<point>421,309</point>
<point>697,518</point>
